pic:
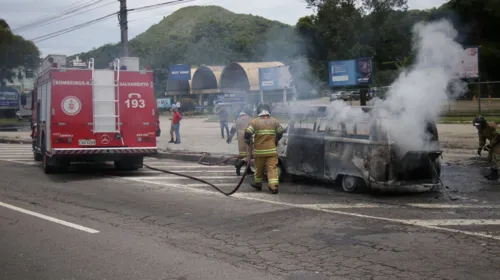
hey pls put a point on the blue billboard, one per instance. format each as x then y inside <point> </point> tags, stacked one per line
<point>268,79</point>
<point>9,97</point>
<point>350,72</point>
<point>180,72</point>
<point>274,78</point>
<point>163,103</point>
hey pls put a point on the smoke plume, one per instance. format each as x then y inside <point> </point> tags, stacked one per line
<point>420,93</point>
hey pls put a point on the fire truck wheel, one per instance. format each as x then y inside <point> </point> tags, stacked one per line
<point>48,164</point>
<point>129,164</point>
<point>37,156</point>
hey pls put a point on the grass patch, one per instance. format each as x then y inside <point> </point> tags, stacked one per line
<point>467,119</point>
<point>10,121</point>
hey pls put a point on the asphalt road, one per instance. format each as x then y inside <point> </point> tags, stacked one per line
<point>96,223</point>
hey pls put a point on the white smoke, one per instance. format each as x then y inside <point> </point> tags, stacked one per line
<point>420,93</point>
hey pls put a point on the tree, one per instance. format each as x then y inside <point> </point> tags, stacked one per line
<point>15,52</point>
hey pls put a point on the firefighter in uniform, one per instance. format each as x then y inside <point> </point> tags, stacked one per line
<point>489,132</point>
<point>242,122</point>
<point>268,132</point>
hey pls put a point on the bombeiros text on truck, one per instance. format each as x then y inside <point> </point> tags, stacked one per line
<point>85,114</point>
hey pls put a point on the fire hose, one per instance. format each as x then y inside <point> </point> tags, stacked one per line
<point>224,161</point>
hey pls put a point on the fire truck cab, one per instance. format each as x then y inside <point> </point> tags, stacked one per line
<point>85,114</point>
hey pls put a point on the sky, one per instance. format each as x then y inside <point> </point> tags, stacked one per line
<point>22,12</point>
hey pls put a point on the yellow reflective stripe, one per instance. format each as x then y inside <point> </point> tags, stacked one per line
<point>257,180</point>
<point>279,129</point>
<point>243,154</point>
<point>265,131</point>
<point>268,151</point>
<point>276,181</point>
<point>250,129</point>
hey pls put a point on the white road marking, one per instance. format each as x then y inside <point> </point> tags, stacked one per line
<point>174,177</point>
<point>318,207</point>
<point>457,222</point>
<point>170,165</point>
<point>181,186</point>
<point>21,162</point>
<point>48,218</point>
<point>201,171</point>
<point>457,206</point>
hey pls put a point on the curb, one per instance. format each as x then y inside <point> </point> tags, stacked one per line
<point>10,140</point>
<point>194,156</point>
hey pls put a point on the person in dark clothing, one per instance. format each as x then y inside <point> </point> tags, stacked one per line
<point>223,119</point>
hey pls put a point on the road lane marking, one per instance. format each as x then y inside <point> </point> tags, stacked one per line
<point>48,218</point>
<point>316,207</point>
<point>189,187</point>
<point>457,222</point>
<point>174,177</point>
<point>420,223</point>
<point>21,162</point>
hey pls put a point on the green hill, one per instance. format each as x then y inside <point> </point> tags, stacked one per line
<point>208,35</point>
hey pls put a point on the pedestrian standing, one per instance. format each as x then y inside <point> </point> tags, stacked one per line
<point>223,120</point>
<point>172,130</point>
<point>176,122</point>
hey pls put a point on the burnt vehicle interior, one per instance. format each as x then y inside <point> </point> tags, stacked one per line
<point>307,149</point>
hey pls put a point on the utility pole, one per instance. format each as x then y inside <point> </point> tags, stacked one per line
<point>122,18</point>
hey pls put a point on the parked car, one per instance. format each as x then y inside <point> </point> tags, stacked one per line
<point>338,95</point>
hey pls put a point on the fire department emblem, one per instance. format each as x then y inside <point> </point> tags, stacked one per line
<point>105,139</point>
<point>71,105</point>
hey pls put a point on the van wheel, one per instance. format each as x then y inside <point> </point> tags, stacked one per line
<point>352,184</point>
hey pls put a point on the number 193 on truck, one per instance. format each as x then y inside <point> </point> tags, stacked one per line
<point>85,114</point>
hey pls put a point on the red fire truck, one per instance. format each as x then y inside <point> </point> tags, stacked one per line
<point>98,115</point>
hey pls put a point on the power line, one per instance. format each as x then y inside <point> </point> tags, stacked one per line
<point>73,28</point>
<point>46,16</point>
<point>97,20</point>
<point>150,7</point>
<point>64,17</point>
<point>57,16</point>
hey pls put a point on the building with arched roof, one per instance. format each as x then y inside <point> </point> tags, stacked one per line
<point>243,77</point>
<point>206,80</point>
<point>205,83</point>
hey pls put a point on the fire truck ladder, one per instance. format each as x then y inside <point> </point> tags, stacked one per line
<point>106,99</point>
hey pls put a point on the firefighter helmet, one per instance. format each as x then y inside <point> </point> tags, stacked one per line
<point>263,109</point>
<point>479,122</point>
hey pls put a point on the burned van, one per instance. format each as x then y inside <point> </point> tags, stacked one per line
<point>358,154</point>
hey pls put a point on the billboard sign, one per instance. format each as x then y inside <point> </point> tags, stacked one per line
<point>180,72</point>
<point>9,97</point>
<point>469,65</point>
<point>231,98</point>
<point>350,72</point>
<point>163,103</point>
<point>274,78</point>
<point>342,73</point>
<point>364,71</point>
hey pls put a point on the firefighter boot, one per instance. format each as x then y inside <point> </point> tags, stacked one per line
<point>493,176</point>
<point>256,186</point>
<point>239,164</point>
<point>273,190</point>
